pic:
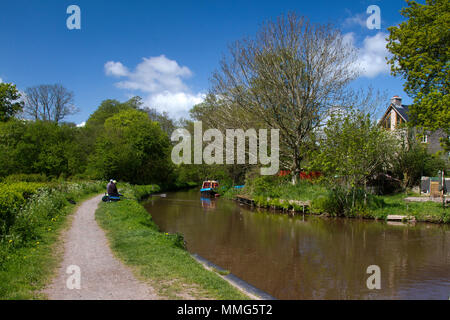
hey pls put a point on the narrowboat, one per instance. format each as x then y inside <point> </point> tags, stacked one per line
<point>209,188</point>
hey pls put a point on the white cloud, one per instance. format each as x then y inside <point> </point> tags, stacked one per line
<point>359,19</point>
<point>177,104</point>
<point>81,124</point>
<point>1,80</point>
<point>115,69</point>
<point>372,56</point>
<point>162,80</point>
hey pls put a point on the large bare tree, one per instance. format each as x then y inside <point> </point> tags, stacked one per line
<point>49,103</point>
<point>289,77</point>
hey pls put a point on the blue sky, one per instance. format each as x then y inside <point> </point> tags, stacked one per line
<point>163,51</point>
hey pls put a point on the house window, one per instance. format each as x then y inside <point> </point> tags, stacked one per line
<point>387,124</point>
<point>425,138</point>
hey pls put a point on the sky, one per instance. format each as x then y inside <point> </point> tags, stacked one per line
<point>165,51</point>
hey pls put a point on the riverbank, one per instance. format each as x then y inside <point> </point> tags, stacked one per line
<point>38,213</point>
<point>101,276</point>
<point>287,257</point>
<point>278,194</point>
<point>158,258</point>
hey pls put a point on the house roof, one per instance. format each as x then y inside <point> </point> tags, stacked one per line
<point>402,110</point>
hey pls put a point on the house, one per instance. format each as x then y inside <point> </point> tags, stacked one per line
<point>396,117</point>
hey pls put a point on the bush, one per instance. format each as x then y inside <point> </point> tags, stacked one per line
<point>264,186</point>
<point>179,241</point>
<point>12,198</point>
<point>413,162</point>
<point>26,207</point>
<point>142,191</point>
<point>23,177</point>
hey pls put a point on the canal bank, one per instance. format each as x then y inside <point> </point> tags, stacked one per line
<point>310,257</point>
<point>319,200</point>
<point>157,258</point>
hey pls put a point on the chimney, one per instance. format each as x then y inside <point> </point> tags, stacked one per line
<point>396,100</point>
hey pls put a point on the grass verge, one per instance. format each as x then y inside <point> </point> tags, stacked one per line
<point>272,192</point>
<point>158,258</point>
<point>28,258</point>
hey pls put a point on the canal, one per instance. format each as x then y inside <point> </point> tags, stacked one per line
<point>310,257</point>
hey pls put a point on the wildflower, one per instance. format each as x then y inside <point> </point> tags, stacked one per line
<point>10,241</point>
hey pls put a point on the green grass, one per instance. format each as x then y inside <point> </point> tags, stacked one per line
<point>28,261</point>
<point>422,211</point>
<point>158,257</point>
<point>379,207</point>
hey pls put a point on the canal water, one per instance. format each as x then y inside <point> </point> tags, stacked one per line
<point>310,257</point>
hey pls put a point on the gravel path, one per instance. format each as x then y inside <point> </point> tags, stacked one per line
<point>103,276</point>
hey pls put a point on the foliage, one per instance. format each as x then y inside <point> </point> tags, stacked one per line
<point>277,81</point>
<point>9,101</point>
<point>25,206</point>
<point>421,54</point>
<point>353,149</point>
<point>142,191</point>
<point>413,161</point>
<point>109,108</point>
<point>132,148</point>
<point>23,177</point>
<point>128,147</point>
<point>39,147</point>
<point>27,250</point>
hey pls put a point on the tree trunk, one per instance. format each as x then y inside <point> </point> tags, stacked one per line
<point>365,193</point>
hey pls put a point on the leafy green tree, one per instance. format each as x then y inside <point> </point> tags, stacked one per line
<point>167,124</point>
<point>9,104</point>
<point>421,54</point>
<point>133,148</point>
<point>33,147</point>
<point>353,148</point>
<point>412,161</point>
<point>109,108</point>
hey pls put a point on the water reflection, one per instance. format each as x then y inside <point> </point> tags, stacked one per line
<point>310,258</point>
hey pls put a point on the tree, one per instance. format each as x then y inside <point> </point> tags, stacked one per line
<point>9,104</point>
<point>40,147</point>
<point>109,108</point>
<point>49,103</point>
<point>165,122</point>
<point>132,148</point>
<point>420,54</point>
<point>353,148</point>
<point>412,161</point>
<point>289,78</point>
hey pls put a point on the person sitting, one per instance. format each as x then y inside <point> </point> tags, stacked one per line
<point>111,188</point>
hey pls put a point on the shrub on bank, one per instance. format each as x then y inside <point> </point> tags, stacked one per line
<point>142,191</point>
<point>272,192</point>
<point>26,249</point>
<point>27,207</point>
<point>23,177</point>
